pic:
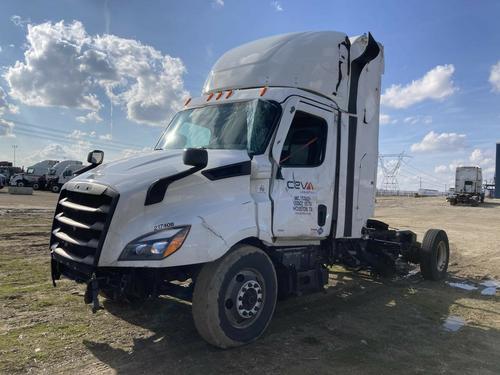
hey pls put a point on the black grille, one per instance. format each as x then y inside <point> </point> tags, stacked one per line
<point>81,222</point>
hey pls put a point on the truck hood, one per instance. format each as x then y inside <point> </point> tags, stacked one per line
<point>139,171</point>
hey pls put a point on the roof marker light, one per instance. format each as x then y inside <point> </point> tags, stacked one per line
<point>218,95</point>
<point>263,91</point>
<point>210,96</point>
<point>229,93</point>
<point>187,102</point>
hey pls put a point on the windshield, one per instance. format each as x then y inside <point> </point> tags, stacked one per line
<point>232,126</point>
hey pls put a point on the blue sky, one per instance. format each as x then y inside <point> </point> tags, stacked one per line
<point>60,96</point>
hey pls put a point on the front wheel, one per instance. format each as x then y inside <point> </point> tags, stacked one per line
<point>20,184</point>
<point>434,255</point>
<point>234,297</point>
<point>55,188</point>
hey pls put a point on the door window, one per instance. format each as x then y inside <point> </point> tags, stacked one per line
<point>305,142</point>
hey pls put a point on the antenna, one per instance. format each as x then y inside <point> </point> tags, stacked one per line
<point>390,165</point>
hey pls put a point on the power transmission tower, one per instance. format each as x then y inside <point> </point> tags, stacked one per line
<point>390,165</point>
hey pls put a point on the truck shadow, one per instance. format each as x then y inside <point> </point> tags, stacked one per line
<point>490,204</point>
<point>358,325</point>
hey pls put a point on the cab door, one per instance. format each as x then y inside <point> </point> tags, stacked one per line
<point>302,187</point>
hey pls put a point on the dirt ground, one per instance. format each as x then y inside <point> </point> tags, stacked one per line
<point>357,326</point>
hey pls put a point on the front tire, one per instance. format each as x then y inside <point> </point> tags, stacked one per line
<point>234,297</point>
<point>36,186</point>
<point>20,184</point>
<point>434,255</point>
<point>55,188</point>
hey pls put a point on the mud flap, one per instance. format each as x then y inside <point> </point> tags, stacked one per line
<point>92,294</point>
<point>54,272</point>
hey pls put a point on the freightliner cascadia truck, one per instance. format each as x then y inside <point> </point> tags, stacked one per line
<point>253,190</point>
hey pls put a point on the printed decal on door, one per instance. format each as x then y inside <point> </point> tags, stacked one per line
<point>304,196</point>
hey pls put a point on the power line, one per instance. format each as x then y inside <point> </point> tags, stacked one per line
<point>29,126</point>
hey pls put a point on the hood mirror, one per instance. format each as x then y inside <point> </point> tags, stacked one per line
<point>95,157</point>
<point>196,157</point>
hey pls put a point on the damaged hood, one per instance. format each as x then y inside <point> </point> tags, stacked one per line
<point>140,171</point>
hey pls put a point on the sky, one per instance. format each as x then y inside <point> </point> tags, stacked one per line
<point>95,74</point>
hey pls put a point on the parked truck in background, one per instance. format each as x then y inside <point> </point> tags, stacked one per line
<point>253,190</point>
<point>34,175</point>
<point>61,173</point>
<point>468,186</point>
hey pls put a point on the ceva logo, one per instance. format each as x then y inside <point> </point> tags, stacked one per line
<point>299,185</point>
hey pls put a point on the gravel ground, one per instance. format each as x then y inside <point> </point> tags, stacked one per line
<point>357,326</point>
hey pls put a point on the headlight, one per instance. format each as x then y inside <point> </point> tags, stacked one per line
<point>155,246</point>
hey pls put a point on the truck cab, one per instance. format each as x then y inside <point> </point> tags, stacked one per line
<point>61,173</point>
<point>34,175</point>
<point>252,191</point>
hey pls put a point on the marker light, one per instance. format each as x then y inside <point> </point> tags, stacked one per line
<point>154,246</point>
<point>229,93</point>
<point>263,91</point>
<point>187,102</point>
<point>210,96</point>
<point>218,96</point>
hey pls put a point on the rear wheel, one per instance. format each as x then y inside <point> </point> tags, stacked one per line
<point>55,188</point>
<point>234,297</point>
<point>20,184</point>
<point>36,186</point>
<point>434,255</point>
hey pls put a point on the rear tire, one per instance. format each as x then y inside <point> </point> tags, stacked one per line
<point>234,297</point>
<point>36,186</point>
<point>20,184</point>
<point>55,188</point>
<point>434,255</point>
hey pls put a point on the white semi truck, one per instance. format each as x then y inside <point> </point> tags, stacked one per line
<point>34,175</point>
<point>254,189</point>
<point>468,186</point>
<point>61,173</point>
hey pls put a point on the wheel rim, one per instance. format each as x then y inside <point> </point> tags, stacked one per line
<point>244,299</point>
<point>441,256</point>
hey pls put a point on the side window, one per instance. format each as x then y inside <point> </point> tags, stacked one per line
<point>305,142</point>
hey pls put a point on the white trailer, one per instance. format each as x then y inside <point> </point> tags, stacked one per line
<point>468,186</point>
<point>252,191</point>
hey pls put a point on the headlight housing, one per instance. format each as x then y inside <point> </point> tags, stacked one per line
<point>155,246</point>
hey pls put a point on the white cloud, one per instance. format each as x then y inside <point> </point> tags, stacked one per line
<point>218,3</point>
<point>436,84</point>
<point>495,77</point>
<point>64,66</point>
<point>482,158</point>
<point>439,142</point>
<point>53,151</point>
<point>19,21</point>
<point>277,6</point>
<point>386,119</point>
<point>441,169</point>
<point>5,106</point>
<point>89,117</point>
<point>106,137</point>
<point>77,134</point>
<point>6,128</point>
<point>418,119</point>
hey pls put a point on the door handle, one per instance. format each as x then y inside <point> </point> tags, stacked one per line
<point>321,215</point>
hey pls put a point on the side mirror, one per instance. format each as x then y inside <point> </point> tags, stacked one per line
<point>95,157</point>
<point>196,157</point>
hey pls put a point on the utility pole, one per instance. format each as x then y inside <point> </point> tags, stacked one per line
<point>14,147</point>
<point>420,182</point>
